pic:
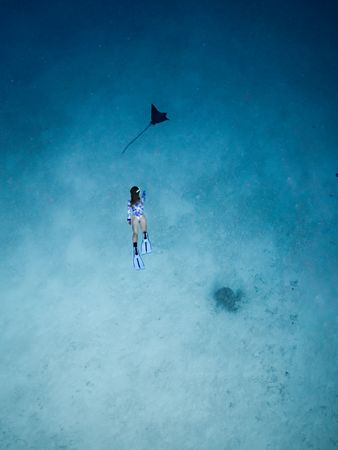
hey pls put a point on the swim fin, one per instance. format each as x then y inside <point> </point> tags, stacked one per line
<point>146,246</point>
<point>138,261</point>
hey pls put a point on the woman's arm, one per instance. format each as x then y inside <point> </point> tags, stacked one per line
<point>129,212</point>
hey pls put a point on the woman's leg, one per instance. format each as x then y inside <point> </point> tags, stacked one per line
<point>146,246</point>
<point>134,224</point>
<point>137,260</point>
<point>143,223</point>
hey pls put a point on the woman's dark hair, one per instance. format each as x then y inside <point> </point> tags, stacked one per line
<point>134,195</point>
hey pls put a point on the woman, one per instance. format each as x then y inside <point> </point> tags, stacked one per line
<point>135,218</point>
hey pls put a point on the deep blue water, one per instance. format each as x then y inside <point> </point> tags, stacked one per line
<point>241,192</point>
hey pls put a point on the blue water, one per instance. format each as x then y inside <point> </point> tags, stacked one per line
<point>241,193</point>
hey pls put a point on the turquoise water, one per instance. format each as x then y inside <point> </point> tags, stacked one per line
<point>241,193</point>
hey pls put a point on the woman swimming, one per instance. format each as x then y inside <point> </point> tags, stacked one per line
<point>135,218</point>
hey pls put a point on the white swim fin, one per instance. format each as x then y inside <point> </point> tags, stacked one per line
<point>146,246</point>
<point>138,261</point>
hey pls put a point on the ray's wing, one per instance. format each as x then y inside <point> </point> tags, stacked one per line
<point>157,116</point>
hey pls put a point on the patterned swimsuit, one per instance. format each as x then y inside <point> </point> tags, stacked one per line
<point>138,208</point>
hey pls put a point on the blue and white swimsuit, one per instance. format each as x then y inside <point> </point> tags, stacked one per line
<point>137,209</point>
